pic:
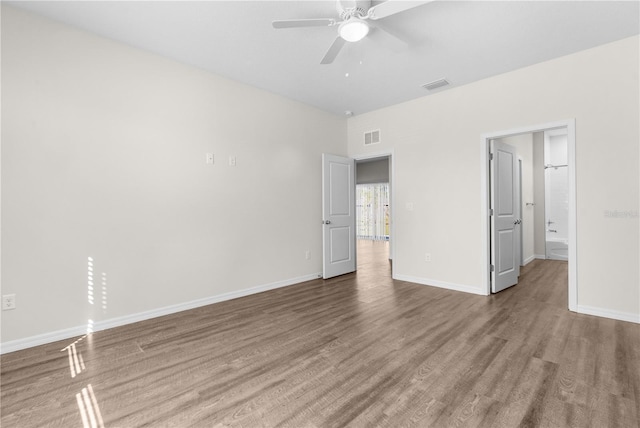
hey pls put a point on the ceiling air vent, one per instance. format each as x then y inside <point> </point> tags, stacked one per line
<point>435,84</point>
<point>372,137</point>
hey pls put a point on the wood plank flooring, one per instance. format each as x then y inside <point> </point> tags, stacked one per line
<point>359,350</point>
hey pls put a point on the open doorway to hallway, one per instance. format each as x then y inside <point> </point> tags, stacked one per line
<point>373,214</point>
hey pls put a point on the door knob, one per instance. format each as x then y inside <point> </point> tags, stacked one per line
<point>326,222</point>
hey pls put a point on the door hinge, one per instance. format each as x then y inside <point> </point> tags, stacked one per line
<point>490,211</point>
<point>492,268</point>
<point>490,156</point>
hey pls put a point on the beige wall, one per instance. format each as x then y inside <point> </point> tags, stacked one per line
<point>437,151</point>
<point>103,156</point>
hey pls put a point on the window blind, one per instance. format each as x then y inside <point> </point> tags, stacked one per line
<point>372,211</point>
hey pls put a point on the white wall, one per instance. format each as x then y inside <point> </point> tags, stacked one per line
<point>437,149</point>
<point>103,156</point>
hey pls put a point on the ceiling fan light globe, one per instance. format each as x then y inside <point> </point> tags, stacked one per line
<point>353,30</point>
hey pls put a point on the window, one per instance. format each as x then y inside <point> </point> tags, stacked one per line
<point>372,211</point>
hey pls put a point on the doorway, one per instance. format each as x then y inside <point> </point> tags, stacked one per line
<point>339,212</point>
<point>569,126</point>
<point>555,195</point>
<point>374,223</point>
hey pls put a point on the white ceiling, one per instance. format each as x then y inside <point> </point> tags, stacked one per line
<point>462,41</point>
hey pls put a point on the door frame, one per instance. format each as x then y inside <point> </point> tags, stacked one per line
<point>520,212</point>
<point>485,219</point>
<point>392,180</point>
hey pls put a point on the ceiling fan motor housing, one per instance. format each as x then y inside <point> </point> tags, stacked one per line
<point>348,9</point>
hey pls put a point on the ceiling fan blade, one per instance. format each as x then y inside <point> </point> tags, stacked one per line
<point>297,23</point>
<point>333,51</point>
<point>391,38</point>
<point>391,7</point>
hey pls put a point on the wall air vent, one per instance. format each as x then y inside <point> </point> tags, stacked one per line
<point>372,137</point>
<point>435,84</point>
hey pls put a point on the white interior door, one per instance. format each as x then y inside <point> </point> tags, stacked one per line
<point>505,261</point>
<point>338,216</point>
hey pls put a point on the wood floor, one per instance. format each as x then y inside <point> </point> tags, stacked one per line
<point>360,350</point>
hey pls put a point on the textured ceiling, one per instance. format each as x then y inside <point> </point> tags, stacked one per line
<point>457,40</point>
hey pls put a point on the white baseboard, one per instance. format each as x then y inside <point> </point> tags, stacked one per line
<point>441,284</point>
<point>41,339</point>
<point>607,313</point>
<point>540,256</point>
<point>54,336</point>
<point>529,260</point>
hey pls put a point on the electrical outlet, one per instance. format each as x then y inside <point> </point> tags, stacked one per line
<point>8,302</point>
<point>307,254</point>
<point>427,257</point>
<point>232,161</point>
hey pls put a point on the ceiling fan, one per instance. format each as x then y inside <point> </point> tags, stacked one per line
<point>353,23</point>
